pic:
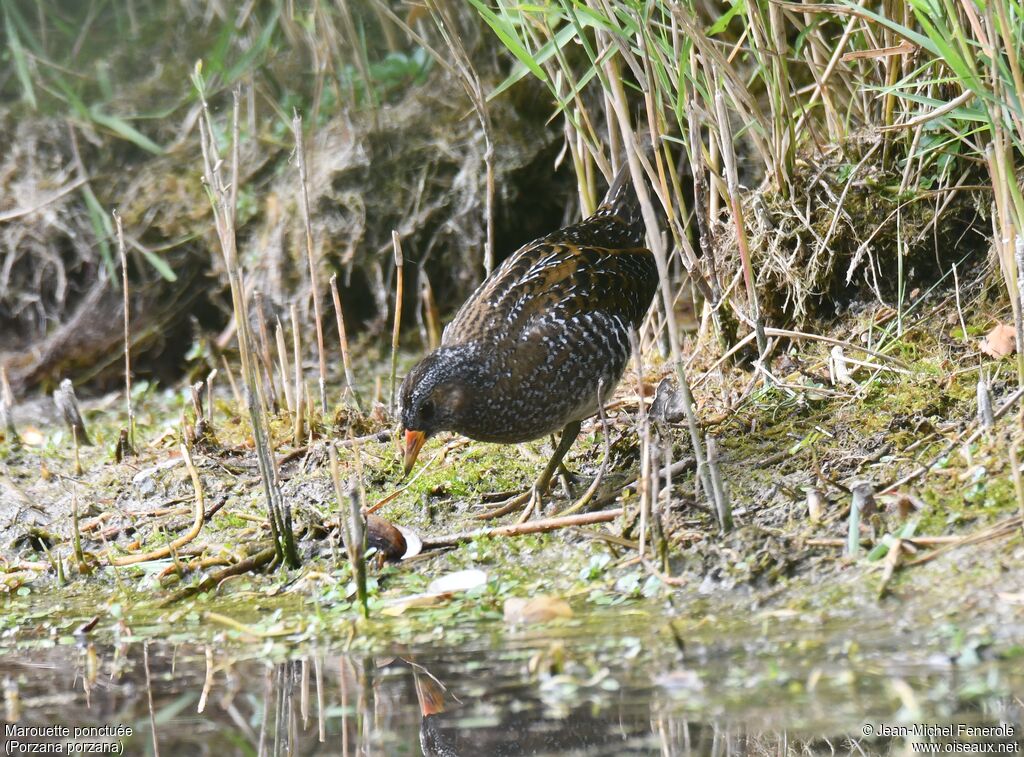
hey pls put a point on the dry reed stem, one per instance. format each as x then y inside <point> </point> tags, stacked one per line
<point>282,367</point>
<point>127,332</point>
<point>339,315</point>
<point>7,410</point>
<point>397,325</point>
<point>621,110</point>
<point>223,201</point>
<point>313,284</point>
<point>474,90</point>
<point>300,402</point>
<point>266,362</point>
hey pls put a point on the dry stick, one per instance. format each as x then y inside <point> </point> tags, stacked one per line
<point>396,328</point>
<point>7,410</point>
<point>722,506</point>
<point>729,157</point>
<point>958,439</point>
<point>319,677</point>
<point>282,366</point>
<point>231,381</point>
<point>621,108</point>
<point>645,446</point>
<point>207,680</point>
<point>197,523</point>
<point>430,315</point>
<point>347,527</point>
<point>530,527</point>
<point>127,333</point>
<point>985,402</point>
<point>77,533</point>
<point>300,404</point>
<point>78,458</point>
<point>304,694</point>
<point>917,541</point>
<point>209,397</point>
<point>339,316</point>
<point>787,333</point>
<point>265,360</point>
<point>357,523</point>
<point>959,308</point>
<point>257,560</point>
<point>314,289</point>
<point>1003,528</point>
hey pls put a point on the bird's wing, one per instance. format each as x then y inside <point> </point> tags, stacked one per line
<point>550,280</point>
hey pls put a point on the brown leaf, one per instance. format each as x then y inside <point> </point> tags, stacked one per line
<point>999,342</point>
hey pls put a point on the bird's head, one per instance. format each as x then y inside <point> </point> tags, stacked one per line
<point>434,397</point>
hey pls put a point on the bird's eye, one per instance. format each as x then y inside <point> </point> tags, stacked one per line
<point>427,410</point>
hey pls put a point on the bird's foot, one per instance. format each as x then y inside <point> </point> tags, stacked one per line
<point>530,501</point>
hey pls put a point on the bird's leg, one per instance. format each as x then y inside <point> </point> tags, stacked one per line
<point>532,498</point>
<point>565,477</point>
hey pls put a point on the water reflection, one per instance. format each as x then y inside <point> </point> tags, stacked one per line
<point>538,696</point>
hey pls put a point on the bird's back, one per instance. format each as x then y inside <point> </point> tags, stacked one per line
<point>597,265</point>
<point>550,327</point>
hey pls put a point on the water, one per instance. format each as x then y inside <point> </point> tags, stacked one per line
<point>626,682</point>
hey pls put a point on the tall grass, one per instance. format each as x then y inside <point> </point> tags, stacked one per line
<point>937,82</point>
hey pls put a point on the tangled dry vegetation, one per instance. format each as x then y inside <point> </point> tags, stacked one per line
<point>829,242</point>
<point>413,163</point>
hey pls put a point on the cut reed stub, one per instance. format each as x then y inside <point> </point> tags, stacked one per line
<point>67,404</point>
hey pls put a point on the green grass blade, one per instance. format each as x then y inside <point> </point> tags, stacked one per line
<point>508,38</point>
<point>28,91</point>
<point>125,130</point>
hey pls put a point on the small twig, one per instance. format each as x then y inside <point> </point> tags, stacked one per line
<point>282,367</point>
<point>127,334</point>
<point>7,410</point>
<point>1003,528</point>
<point>197,525</point>
<point>314,288</point>
<point>297,429</point>
<point>256,561</point>
<point>396,328</point>
<point>339,316</point>
<point>71,186</point>
<point>926,467</point>
<point>530,527</point>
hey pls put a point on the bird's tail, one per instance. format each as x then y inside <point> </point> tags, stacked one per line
<point>621,201</point>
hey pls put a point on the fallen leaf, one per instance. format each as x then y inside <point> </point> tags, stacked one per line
<point>539,609</point>
<point>999,342</point>
<point>462,580</point>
